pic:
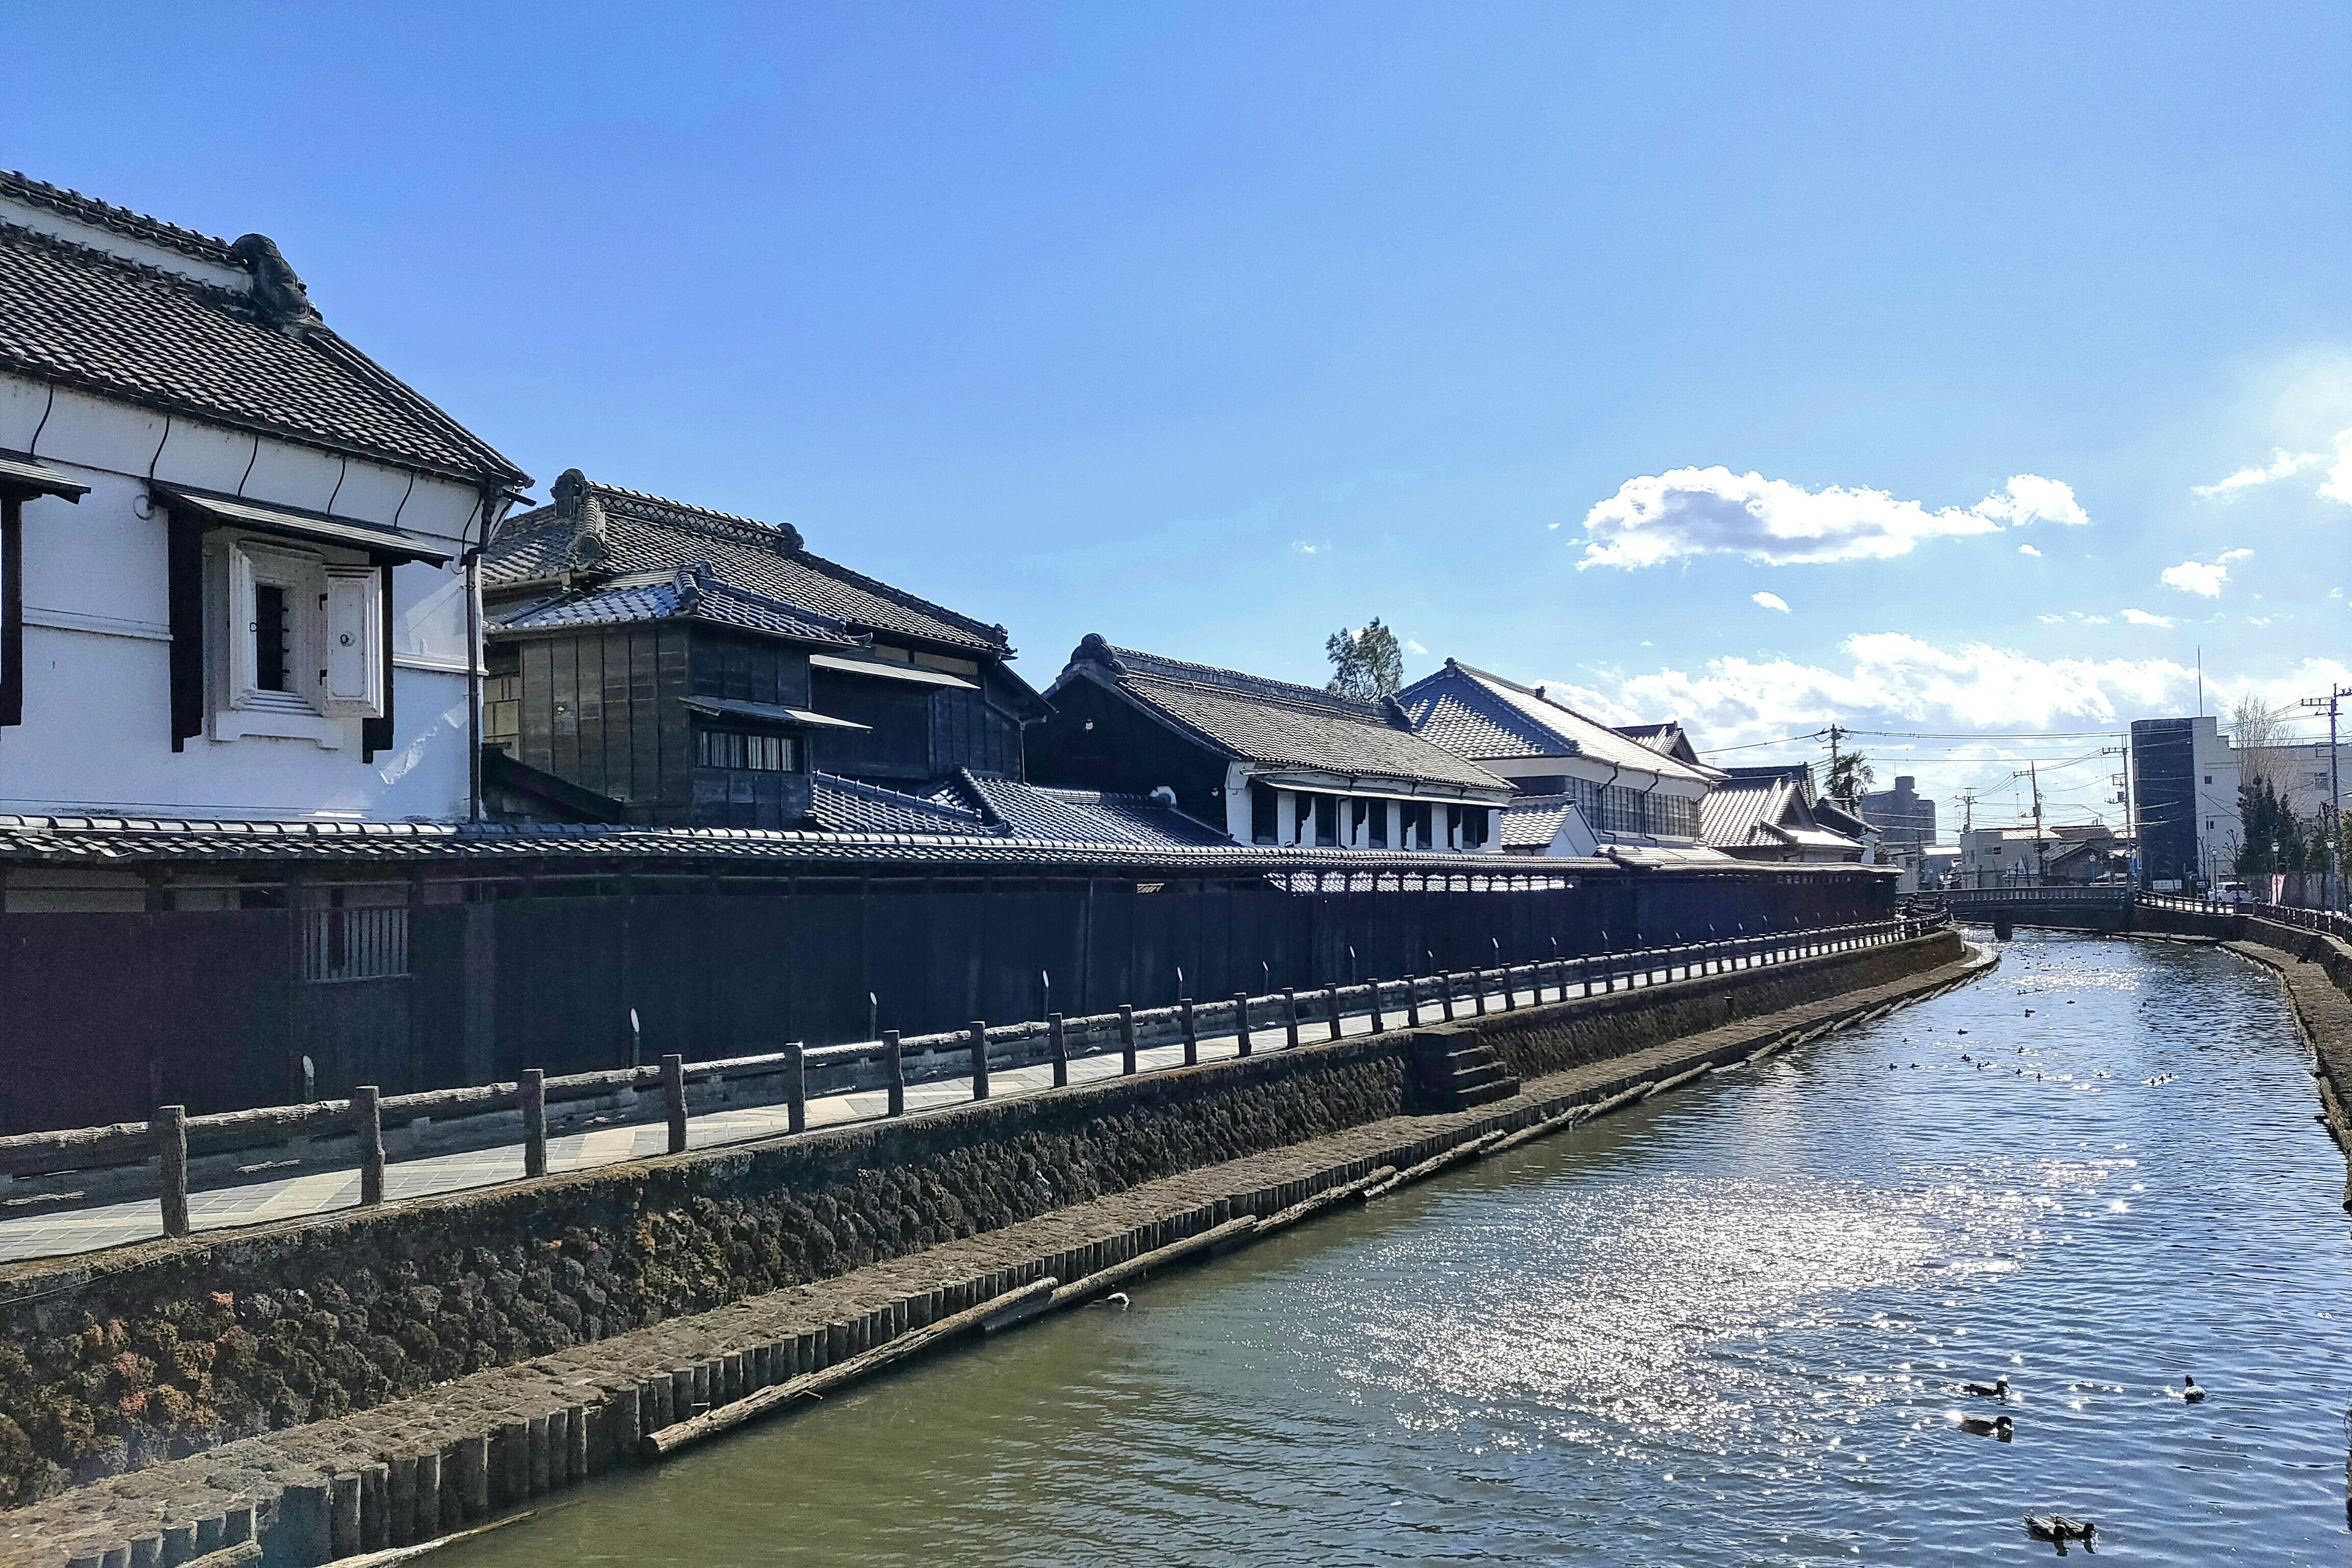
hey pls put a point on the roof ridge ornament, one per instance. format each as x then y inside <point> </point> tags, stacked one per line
<point>277,294</point>
<point>576,503</point>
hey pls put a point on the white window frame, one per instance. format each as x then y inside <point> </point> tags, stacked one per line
<point>337,606</point>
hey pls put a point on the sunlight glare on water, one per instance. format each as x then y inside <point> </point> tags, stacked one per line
<point>1731,1326</point>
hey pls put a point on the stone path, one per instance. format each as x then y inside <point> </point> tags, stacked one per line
<point>54,1233</point>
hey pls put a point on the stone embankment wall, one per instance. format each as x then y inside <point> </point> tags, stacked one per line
<point>152,1353</point>
<point>2317,970</point>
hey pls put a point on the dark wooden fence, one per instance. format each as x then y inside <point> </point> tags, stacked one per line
<point>107,1016</point>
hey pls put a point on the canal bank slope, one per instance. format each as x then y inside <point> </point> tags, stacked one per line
<point>826,1245</point>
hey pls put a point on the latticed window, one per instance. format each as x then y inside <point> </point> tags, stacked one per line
<point>366,943</point>
<point>737,749</point>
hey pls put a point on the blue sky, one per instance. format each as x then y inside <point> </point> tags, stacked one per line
<point>1216,328</point>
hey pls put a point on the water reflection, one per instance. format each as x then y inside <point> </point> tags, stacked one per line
<point>1733,1326</point>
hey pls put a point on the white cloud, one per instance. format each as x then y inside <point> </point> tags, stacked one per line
<point>2283,465</point>
<point>2196,577</point>
<point>1771,601</point>
<point>1714,511</point>
<point>2073,615</point>
<point>2229,556</point>
<point>2142,618</point>
<point>1308,547</point>
<point>2029,550</point>
<point>1893,681</point>
<point>1412,646</point>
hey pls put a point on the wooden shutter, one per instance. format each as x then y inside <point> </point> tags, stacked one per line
<point>184,590</point>
<point>376,734</point>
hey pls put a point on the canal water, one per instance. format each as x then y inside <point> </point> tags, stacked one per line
<point>1727,1326</point>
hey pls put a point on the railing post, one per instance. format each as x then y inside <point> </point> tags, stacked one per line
<point>171,1131</point>
<point>978,1060</point>
<point>1412,1003</point>
<point>531,1098</point>
<point>1478,993</point>
<point>1332,1000</point>
<point>1510,997</point>
<point>1241,1021</point>
<point>1446,994</point>
<point>1380,1025</point>
<point>1192,1033</point>
<point>894,1065</point>
<point>674,1100</point>
<point>796,1085</point>
<point>1290,1018</point>
<point>1058,1044</point>
<point>1127,1039</point>
<point>367,1121</point>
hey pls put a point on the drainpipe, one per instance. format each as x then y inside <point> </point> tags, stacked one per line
<point>472,557</point>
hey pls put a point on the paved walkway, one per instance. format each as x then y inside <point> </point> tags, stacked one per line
<point>62,1232</point>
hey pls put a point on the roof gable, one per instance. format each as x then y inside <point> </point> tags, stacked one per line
<point>599,531</point>
<point>1481,716</point>
<point>1273,723</point>
<point>254,358</point>
<point>692,593</point>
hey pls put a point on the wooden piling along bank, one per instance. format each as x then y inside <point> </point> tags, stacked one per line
<point>490,1444</point>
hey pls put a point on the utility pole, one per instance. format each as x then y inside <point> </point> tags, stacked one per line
<point>2041,851</point>
<point>1968,828</point>
<point>2335,795</point>
<point>1830,784</point>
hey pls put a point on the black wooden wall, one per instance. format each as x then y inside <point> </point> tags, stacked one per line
<point>107,1012</point>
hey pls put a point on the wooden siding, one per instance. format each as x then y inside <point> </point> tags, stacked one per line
<point>604,710</point>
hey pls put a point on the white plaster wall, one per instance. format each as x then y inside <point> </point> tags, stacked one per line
<point>96,732</point>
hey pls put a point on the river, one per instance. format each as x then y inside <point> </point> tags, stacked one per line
<point>1726,1327</point>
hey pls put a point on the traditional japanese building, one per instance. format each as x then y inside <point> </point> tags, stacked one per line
<point>659,663</point>
<point>1771,812</point>
<point>231,544</point>
<point>1581,784</point>
<point>1274,764</point>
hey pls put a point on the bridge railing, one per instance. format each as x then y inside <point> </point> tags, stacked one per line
<point>2101,893</point>
<point>2330,923</point>
<point>174,1153</point>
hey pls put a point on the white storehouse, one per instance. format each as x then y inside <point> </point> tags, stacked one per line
<point>235,581</point>
<point>1582,785</point>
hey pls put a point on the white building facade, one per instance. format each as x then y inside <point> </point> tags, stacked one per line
<point>236,578</point>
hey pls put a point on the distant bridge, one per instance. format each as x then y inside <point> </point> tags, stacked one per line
<point>2101,907</point>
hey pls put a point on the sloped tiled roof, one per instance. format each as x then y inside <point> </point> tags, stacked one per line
<point>643,532</point>
<point>1077,815</point>
<point>106,324</point>
<point>1484,717</point>
<point>1276,724</point>
<point>1532,821</point>
<point>1745,812</point>
<point>845,806</point>
<point>690,592</point>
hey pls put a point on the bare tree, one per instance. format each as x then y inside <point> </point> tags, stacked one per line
<point>2260,734</point>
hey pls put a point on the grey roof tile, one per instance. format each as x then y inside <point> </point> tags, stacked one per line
<point>846,805</point>
<point>1274,723</point>
<point>101,323</point>
<point>648,533</point>
<point>1481,716</point>
<point>691,592</point>
<point>1085,816</point>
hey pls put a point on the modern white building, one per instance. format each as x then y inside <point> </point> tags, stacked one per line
<point>236,581</point>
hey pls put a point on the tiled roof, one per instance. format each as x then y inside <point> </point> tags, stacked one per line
<point>1532,821</point>
<point>1745,812</point>
<point>647,533</point>
<point>1274,723</point>
<point>101,323</point>
<point>1484,717</point>
<point>122,842</point>
<point>690,592</point>
<point>1085,816</point>
<point>845,806</point>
